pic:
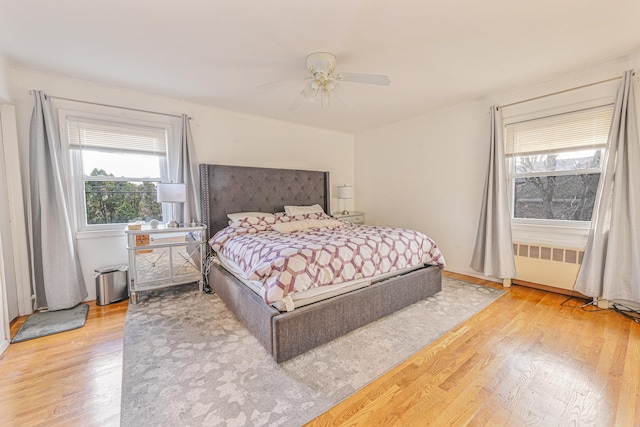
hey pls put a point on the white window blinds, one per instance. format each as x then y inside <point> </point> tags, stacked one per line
<point>118,137</point>
<point>563,132</point>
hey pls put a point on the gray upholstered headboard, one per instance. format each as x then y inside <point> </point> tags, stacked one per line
<point>228,189</point>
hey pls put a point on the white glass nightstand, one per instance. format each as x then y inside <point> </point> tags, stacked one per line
<point>162,257</point>
<point>354,217</point>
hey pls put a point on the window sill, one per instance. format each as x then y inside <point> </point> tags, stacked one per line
<point>552,235</point>
<point>94,234</point>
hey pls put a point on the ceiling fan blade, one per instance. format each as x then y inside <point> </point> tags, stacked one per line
<point>279,82</point>
<point>372,79</point>
<point>339,99</point>
<point>302,96</point>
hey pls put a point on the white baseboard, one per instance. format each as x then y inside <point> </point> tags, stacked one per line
<point>3,346</point>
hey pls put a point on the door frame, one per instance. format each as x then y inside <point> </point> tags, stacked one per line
<point>17,229</point>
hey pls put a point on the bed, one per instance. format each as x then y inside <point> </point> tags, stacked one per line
<point>286,334</point>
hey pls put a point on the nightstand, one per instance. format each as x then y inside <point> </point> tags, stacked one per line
<point>354,217</point>
<point>161,257</point>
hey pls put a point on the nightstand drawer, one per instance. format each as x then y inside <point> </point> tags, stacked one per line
<point>354,217</point>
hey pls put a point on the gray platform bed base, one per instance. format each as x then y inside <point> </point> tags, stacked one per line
<point>287,334</point>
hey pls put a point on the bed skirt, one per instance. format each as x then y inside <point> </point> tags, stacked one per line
<point>286,335</point>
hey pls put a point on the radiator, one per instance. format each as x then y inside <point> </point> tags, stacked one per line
<point>547,265</point>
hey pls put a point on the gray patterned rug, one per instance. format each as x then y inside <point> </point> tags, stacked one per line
<point>189,362</point>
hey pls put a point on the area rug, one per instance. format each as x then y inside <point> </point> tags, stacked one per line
<point>52,322</point>
<point>188,361</point>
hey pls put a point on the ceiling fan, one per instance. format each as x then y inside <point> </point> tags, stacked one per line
<point>324,81</point>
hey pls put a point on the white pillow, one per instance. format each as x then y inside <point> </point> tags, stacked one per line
<point>300,210</point>
<point>243,215</point>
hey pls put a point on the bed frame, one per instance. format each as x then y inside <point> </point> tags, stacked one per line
<point>227,189</point>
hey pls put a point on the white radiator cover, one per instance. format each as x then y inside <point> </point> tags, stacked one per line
<point>547,265</point>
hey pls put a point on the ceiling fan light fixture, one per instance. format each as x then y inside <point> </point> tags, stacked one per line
<point>321,62</point>
<point>324,81</point>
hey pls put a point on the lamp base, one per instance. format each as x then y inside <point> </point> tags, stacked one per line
<point>173,224</point>
<point>345,212</point>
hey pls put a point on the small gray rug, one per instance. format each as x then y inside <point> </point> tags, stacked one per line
<point>52,322</point>
<point>188,361</point>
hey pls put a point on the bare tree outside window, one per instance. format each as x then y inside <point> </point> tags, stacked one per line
<point>557,186</point>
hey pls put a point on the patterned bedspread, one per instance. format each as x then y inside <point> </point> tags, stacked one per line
<point>319,251</point>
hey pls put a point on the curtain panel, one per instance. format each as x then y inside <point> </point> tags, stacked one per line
<point>493,253</point>
<point>188,173</point>
<point>55,266</point>
<point>611,264</point>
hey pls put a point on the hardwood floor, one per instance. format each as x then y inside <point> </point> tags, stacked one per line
<point>68,379</point>
<point>524,360</point>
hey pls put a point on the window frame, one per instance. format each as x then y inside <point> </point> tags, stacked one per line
<point>559,233</point>
<point>561,223</point>
<point>74,165</point>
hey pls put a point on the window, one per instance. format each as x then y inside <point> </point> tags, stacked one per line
<point>116,165</point>
<point>555,164</point>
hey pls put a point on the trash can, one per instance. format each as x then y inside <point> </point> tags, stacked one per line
<point>111,284</point>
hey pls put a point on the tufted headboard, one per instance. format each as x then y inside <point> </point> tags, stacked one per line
<point>228,189</point>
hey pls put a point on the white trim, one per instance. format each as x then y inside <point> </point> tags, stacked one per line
<point>556,173</point>
<point>5,334</point>
<point>119,179</point>
<point>73,162</point>
<point>550,227</point>
<point>16,210</point>
<point>117,231</point>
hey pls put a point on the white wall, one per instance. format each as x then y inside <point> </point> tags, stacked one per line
<point>428,172</point>
<point>5,293</point>
<point>220,136</point>
<point>424,174</point>
<point>5,84</point>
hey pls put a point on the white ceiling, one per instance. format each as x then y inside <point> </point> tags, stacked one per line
<point>223,52</point>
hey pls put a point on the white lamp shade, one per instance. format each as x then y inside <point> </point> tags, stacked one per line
<point>345,192</point>
<point>176,193</point>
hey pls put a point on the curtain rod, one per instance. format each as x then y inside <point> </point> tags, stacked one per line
<point>559,92</point>
<point>112,106</point>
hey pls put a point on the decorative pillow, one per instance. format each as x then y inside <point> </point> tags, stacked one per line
<point>299,210</point>
<point>258,223</point>
<point>243,215</point>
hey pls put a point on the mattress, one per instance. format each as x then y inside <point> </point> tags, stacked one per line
<point>309,296</point>
<point>289,255</point>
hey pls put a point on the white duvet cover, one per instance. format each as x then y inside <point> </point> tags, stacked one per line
<point>319,251</point>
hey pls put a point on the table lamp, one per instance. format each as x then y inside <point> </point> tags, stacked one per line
<point>172,193</point>
<point>345,192</point>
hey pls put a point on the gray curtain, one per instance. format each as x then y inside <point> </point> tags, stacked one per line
<point>188,174</point>
<point>493,253</point>
<point>56,274</point>
<point>611,263</point>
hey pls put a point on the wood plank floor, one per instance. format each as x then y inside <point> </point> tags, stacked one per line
<point>524,360</point>
<point>67,379</point>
